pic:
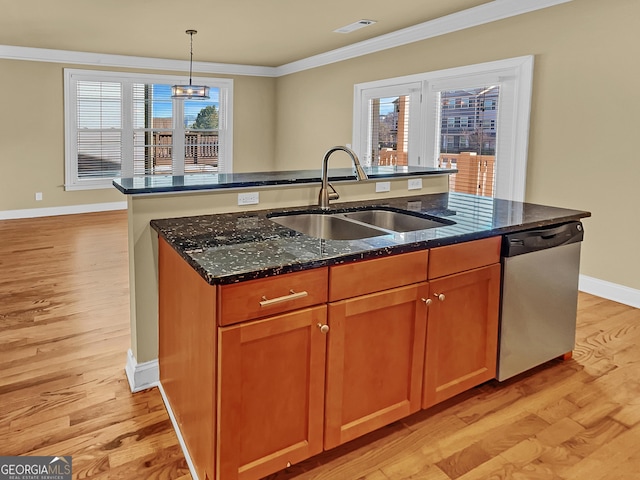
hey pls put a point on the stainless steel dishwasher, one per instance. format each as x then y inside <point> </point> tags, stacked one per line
<point>539,296</point>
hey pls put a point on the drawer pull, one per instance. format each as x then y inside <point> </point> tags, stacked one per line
<point>292,296</point>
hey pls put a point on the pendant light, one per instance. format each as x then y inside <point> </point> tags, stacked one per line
<point>190,91</point>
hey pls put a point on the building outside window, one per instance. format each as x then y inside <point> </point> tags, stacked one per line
<point>479,137</point>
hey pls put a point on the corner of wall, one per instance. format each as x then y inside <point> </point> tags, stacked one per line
<point>141,376</point>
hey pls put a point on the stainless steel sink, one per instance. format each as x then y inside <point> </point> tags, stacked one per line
<point>330,227</point>
<point>394,220</point>
<point>363,223</point>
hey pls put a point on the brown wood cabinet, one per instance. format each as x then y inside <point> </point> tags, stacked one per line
<point>374,361</point>
<point>462,330</point>
<point>271,393</point>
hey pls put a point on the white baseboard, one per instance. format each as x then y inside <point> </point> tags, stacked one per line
<point>68,210</point>
<point>610,291</point>
<point>176,427</point>
<point>141,375</point>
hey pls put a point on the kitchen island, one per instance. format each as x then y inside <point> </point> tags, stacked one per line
<point>275,345</point>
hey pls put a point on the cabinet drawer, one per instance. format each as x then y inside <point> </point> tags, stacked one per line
<point>269,296</point>
<point>463,256</point>
<point>360,278</point>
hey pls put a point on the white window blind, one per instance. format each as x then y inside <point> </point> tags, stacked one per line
<point>99,129</point>
<point>124,125</point>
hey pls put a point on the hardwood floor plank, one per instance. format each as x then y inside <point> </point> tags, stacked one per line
<point>536,471</point>
<point>573,451</point>
<point>608,458</point>
<point>412,467</point>
<point>556,409</point>
<point>463,461</point>
<point>375,475</point>
<point>496,468</point>
<point>524,452</point>
<point>629,415</point>
<point>559,432</point>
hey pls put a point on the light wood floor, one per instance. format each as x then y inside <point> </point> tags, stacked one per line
<point>64,333</point>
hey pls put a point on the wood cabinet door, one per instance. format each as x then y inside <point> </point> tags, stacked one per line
<point>462,333</point>
<point>271,393</point>
<point>374,361</point>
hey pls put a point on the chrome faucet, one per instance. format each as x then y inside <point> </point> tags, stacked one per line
<point>325,195</point>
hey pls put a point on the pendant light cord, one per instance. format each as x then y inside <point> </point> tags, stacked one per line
<point>191,57</point>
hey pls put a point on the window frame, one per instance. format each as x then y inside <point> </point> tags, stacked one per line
<point>515,76</point>
<point>72,76</point>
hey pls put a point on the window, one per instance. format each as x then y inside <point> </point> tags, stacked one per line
<point>125,125</point>
<point>490,104</point>
<point>389,124</point>
<point>478,110</point>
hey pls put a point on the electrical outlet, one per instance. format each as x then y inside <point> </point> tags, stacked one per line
<point>414,184</point>
<point>383,186</point>
<point>249,198</point>
<point>38,196</point>
<point>414,206</point>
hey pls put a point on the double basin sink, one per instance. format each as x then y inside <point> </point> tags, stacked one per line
<point>360,223</point>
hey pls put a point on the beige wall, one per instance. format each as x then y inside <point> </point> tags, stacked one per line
<point>32,135</point>
<point>583,122</point>
<point>32,139</point>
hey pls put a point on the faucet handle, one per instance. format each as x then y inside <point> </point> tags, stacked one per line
<point>333,195</point>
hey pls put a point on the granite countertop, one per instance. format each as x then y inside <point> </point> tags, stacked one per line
<point>215,181</point>
<point>232,247</point>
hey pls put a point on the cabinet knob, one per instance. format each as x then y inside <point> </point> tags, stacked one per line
<point>428,301</point>
<point>323,328</point>
<point>439,296</point>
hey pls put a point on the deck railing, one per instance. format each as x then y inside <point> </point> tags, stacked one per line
<point>199,149</point>
<point>476,173</point>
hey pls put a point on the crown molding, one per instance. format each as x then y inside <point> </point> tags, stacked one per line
<point>124,61</point>
<point>472,17</point>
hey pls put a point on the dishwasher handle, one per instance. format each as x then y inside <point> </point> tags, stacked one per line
<point>541,238</point>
